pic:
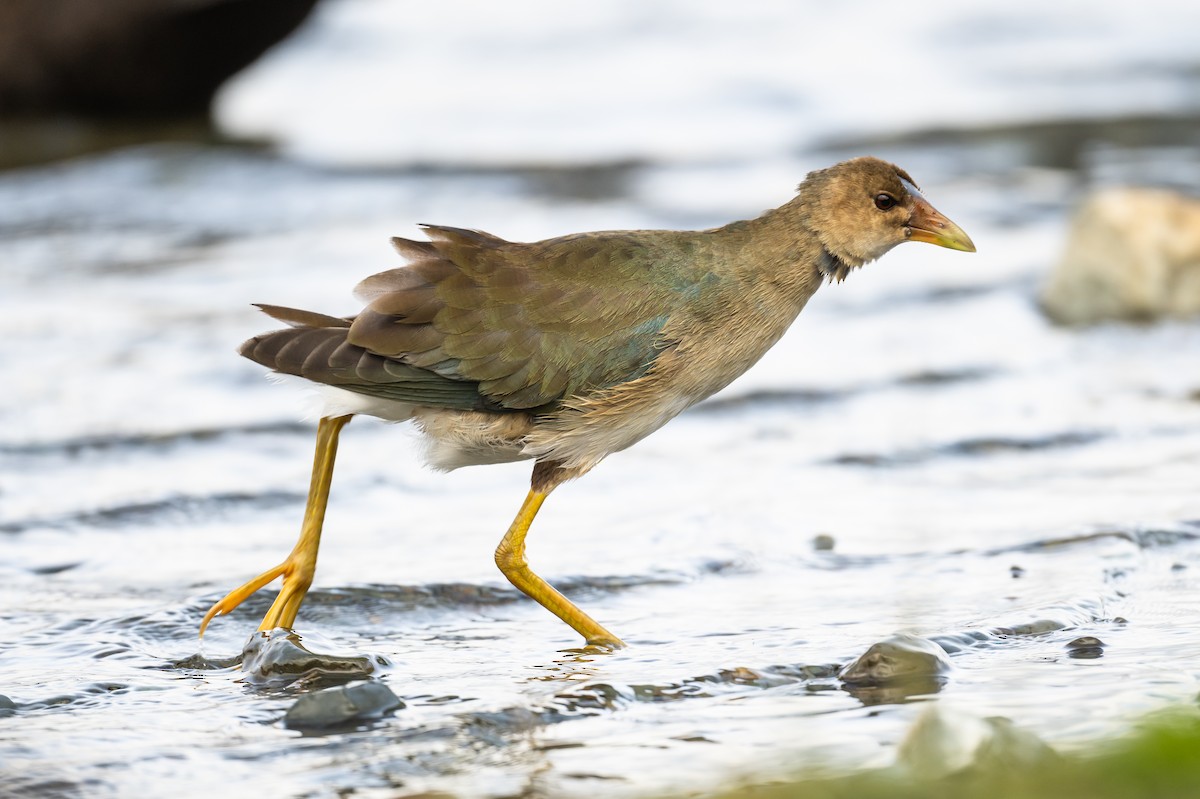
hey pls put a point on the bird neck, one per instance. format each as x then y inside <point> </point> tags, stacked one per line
<point>832,267</point>
<point>781,247</point>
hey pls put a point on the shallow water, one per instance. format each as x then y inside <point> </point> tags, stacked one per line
<point>988,481</point>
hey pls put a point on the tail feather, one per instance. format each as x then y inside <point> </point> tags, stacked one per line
<point>300,318</point>
<point>323,355</point>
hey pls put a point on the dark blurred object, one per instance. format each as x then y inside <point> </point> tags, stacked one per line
<point>131,59</point>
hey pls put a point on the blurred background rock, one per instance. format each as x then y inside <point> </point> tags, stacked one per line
<point>1131,255</point>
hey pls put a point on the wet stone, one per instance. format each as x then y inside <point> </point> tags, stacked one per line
<point>823,542</point>
<point>344,704</point>
<point>278,658</point>
<point>201,663</point>
<point>806,672</point>
<point>666,693</point>
<point>7,706</point>
<point>597,696</point>
<point>1036,627</point>
<point>1086,647</point>
<point>897,658</point>
<point>896,668</point>
<point>741,675</point>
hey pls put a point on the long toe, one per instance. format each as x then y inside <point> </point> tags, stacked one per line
<point>237,596</point>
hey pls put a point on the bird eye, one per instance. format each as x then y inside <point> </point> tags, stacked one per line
<point>884,201</point>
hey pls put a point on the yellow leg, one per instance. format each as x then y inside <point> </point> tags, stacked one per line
<point>510,557</point>
<point>297,571</point>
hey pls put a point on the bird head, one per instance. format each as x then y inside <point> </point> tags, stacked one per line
<point>862,208</point>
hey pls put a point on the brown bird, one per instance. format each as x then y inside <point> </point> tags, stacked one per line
<point>566,350</point>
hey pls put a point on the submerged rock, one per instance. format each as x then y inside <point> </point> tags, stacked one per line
<point>1133,255</point>
<point>895,669</point>
<point>1086,647</point>
<point>334,707</point>
<point>897,658</point>
<point>7,706</point>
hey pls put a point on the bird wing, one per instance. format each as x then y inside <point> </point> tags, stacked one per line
<point>528,324</point>
<point>478,323</point>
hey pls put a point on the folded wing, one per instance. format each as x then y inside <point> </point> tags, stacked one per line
<point>477,322</point>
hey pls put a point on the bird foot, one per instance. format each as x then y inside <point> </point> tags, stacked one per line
<point>297,577</point>
<point>608,644</point>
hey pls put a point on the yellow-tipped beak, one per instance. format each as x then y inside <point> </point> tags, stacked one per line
<point>927,224</point>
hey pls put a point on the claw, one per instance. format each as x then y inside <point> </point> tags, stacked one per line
<point>237,596</point>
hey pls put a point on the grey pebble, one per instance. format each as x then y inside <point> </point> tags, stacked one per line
<point>1086,647</point>
<point>1085,642</point>
<point>345,703</point>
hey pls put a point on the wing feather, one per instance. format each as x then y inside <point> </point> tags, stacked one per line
<point>476,321</point>
<point>532,323</point>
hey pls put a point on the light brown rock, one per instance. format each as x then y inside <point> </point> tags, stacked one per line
<point>1132,255</point>
<point>946,740</point>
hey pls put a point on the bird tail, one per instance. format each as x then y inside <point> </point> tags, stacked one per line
<point>313,346</point>
<point>317,348</point>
